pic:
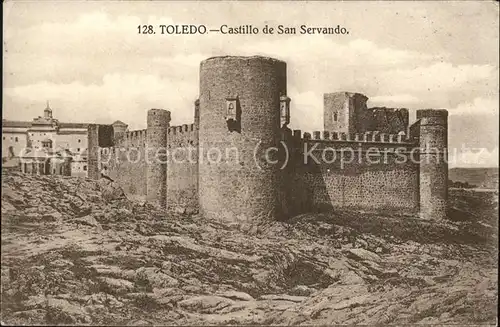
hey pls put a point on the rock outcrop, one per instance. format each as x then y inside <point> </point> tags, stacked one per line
<point>76,251</point>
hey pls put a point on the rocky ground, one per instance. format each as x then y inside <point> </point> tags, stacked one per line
<point>76,251</point>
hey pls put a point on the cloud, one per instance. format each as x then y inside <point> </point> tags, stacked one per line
<point>97,36</point>
<point>94,24</point>
<point>190,61</point>
<point>119,96</point>
<point>321,48</point>
<point>399,99</point>
<point>437,77</point>
<point>479,106</point>
<point>306,111</point>
<point>480,157</point>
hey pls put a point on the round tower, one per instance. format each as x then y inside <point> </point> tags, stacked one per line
<point>433,163</point>
<point>239,121</point>
<point>197,113</point>
<point>158,122</point>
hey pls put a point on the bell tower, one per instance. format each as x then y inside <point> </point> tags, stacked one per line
<point>47,112</point>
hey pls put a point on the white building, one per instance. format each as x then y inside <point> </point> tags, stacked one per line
<point>49,134</point>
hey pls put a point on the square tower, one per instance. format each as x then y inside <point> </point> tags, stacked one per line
<point>344,112</point>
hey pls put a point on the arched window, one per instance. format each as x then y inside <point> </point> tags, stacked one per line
<point>335,116</point>
<point>47,143</point>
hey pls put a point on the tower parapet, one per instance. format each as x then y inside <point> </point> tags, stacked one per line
<point>433,139</point>
<point>158,122</point>
<point>353,139</point>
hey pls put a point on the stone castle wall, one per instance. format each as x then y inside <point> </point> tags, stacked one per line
<point>347,112</point>
<point>182,173</point>
<point>128,165</point>
<point>217,163</point>
<point>337,116</point>
<point>365,175</point>
<point>387,120</point>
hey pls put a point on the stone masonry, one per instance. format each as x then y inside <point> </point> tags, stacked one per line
<point>239,160</point>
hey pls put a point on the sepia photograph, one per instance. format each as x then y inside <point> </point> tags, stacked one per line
<point>236,163</point>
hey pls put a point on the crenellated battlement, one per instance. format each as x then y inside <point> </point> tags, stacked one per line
<point>386,109</point>
<point>426,113</point>
<point>178,136</point>
<point>365,158</point>
<point>182,136</point>
<point>135,138</point>
<point>180,129</point>
<point>140,133</point>
<point>367,137</point>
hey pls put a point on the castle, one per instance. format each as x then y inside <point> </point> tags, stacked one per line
<point>250,166</point>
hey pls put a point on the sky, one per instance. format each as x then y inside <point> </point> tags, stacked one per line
<point>88,60</point>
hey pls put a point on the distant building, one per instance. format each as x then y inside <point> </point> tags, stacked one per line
<point>79,164</point>
<point>26,139</point>
<point>46,162</point>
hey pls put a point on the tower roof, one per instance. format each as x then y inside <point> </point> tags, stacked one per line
<point>119,123</point>
<point>48,106</point>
